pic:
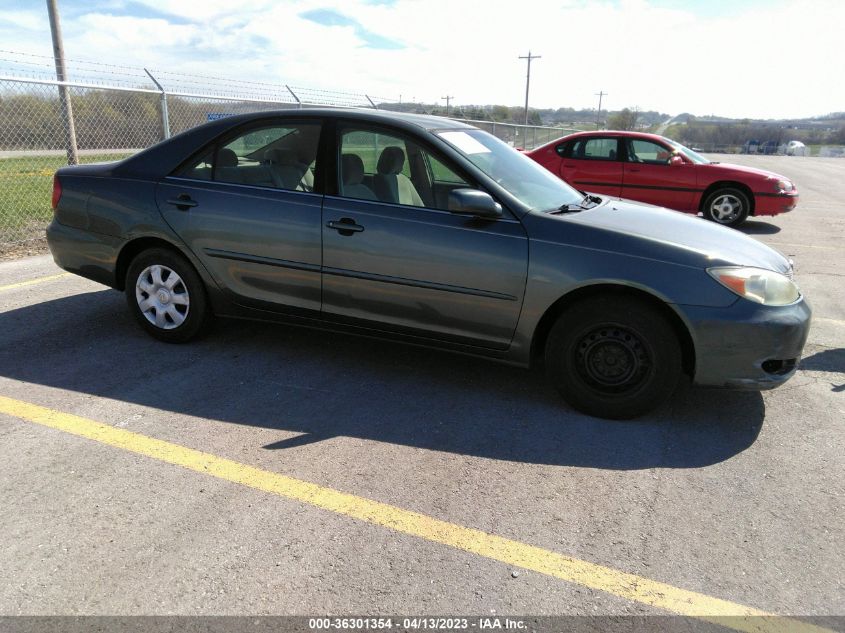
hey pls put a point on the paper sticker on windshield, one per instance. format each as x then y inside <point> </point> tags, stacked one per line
<point>464,142</point>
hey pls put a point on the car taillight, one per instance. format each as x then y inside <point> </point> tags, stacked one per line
<point>57,191</point>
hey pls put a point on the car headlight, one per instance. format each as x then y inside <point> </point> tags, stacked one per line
<point>784,186</point>
<point>757,284</point>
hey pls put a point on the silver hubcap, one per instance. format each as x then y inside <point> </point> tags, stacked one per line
<point>726,208</point>
<point>162,297</point>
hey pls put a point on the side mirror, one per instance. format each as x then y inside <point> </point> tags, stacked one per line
<point>474,202</point>
<point>675,160</point>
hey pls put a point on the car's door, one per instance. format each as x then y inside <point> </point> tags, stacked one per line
<point>246,209</point>
<point>650,176</point>
<point>395,258</point>
<point>593,163</point>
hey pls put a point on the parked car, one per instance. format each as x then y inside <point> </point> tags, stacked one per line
<point>432,232</point>
<point>795,148</point>
<point>657,170</point>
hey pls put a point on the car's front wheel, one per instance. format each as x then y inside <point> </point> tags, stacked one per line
<point>166,296</point>
<point>729,207</point>
<point>613,357</point>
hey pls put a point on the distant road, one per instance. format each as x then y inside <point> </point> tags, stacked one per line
<point>60,152</point>
<point>662,128</point>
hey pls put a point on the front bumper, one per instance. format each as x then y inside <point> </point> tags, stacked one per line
<point>773,204</point>
<point>747,345</point>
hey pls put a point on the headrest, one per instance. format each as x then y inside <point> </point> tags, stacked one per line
<point>391,161</point>
<point>227,158</point>
<point>353,169</point>
<point>280,156</point>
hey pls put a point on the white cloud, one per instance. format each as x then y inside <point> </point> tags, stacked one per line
<point>780,59</point>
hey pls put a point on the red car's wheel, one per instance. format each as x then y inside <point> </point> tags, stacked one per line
<point>729,207</point>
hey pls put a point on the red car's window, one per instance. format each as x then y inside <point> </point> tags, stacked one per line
<point>640,151</point>
<point>595,149</point>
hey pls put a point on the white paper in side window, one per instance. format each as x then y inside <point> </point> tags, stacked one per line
<point>464,142</point>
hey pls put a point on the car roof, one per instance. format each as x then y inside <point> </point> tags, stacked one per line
<point>588,133</point>
<point>373,115</point>
<point>625,133</point>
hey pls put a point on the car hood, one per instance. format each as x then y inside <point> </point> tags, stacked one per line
<point>763,173</point>
<point>673,236</point>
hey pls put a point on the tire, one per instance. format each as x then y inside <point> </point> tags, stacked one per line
<point>727,206</point>
<point>613,357</point>
<point>166,296</point>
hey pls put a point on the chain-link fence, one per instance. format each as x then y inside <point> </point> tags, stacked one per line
<point>113,121</point>
<point>525,137</point>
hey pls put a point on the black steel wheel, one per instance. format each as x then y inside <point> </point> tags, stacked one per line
<point>613,357</point>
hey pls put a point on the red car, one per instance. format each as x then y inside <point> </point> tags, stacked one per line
<point>657,170</point>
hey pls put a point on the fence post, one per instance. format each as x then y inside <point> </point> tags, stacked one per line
<point>298,102</point>
<point>64,93</point>
<point>165,116</point>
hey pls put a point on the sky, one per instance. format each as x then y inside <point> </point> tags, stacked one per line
<point>736,58</point>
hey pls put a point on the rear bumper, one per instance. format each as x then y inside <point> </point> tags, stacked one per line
<point>748,346</point>
<point>773,204</point>
<point>81,252</point>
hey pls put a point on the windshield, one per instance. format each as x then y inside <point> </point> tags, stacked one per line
<point>523,178</point>
<point>686,151</point>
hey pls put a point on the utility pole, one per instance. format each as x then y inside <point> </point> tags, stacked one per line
<point>61,75</point>
<point>528,80</point>
<point>448,99</point>
<point>599,94</point>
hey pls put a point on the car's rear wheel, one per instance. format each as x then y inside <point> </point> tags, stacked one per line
<point>613,357</point>
<point>166,296</point>
<point>728,206</point>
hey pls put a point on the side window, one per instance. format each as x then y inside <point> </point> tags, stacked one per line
<point>640,151</point>
<point>564,149</point>
<point>595,149</point>
<point>389,167</point>
<point>279,157</point>
<point>442,174</point>
<point>200,170</point>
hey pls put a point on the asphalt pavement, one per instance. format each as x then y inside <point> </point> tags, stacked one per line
<point>470,487</point>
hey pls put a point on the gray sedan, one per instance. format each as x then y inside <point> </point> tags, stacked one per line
<point>435,233</point>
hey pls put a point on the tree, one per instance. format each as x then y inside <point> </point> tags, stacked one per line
<point>501,113</point>
<point>626,119</point>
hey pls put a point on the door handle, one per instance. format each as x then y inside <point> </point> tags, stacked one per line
<point>183,202</point>
<point>633,169</point>
<point>345,226</point>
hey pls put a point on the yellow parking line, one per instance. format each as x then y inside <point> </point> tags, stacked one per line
<point>637,588</point>
<point>32,282</point>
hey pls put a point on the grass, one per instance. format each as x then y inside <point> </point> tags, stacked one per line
<point>26,185</point>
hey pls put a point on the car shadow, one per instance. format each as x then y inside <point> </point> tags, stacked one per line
<point>322,385</point>
<point>829,361</point>
<point>755,227</point>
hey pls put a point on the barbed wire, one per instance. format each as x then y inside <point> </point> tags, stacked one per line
<point>33,65</point>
